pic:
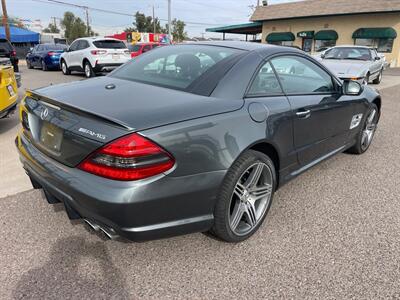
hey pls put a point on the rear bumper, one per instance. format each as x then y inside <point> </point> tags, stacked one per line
<point>106,67</point>
<point>143,210</point>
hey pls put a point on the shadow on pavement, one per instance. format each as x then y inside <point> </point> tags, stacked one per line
<point>60,278</point>
<point>9,123</point>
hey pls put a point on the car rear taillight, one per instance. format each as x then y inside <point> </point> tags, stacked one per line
<point>51,53</point>
<point>131,157</point>
<point>13,53</point>
<point>98,52</point>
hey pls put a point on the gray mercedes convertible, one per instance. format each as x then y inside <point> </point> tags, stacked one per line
<point>190,138</point>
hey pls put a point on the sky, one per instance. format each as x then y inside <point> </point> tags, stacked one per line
<point>210,13</point>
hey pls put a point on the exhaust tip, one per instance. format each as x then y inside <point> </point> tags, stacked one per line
<point>109,232</point>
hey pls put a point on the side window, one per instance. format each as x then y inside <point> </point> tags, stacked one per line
<point>301,76</point>
<point>82,45</point>
<point>73,46</point>
<point>146,48</point>
<point>39,48</point>
<point>265,83</point>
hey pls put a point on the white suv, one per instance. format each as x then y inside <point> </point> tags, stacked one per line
<point>94,55</point>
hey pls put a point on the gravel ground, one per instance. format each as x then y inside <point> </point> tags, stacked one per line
<point>333,232</point>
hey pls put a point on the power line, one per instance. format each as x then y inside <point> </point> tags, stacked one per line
<point>115,12</point>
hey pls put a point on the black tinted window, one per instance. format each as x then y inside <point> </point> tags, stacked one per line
<point>54,47</point>
<point>301,76</point>
<point>175,66</point>
<point>5,46</point>
<point>74,46</point>
<point>134,48</point>
<point>109,44</point>
<point>265,83</point>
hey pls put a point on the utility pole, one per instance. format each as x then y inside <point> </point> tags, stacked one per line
<point>54,21</point>
<point>258,3</point>
<point>169,20</point>
<point>87,20</point>
<point>154,21</point>
<point>5,19</point>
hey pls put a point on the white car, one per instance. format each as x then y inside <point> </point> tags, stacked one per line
<point>94,55</point>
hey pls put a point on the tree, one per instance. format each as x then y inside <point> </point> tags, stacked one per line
<point>145,23</point>
<point>52,28</point>
<point>177,30</point>
<point>74,27</point>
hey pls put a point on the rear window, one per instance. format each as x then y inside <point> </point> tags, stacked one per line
<point>5,46</point>
<point>55,47</point>
<point>134,48</point>
<point>109,44</point>
<point>175,67</point>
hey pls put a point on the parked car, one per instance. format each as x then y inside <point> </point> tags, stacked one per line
<point>45,56</point>
<point>7,50</point>
<point>94,55</point>
<point>358,63</point>
<point>8,91</point>
<point>140,48</point>
<point>171,143</point>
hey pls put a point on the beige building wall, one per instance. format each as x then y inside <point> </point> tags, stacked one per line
<point>343,25</point>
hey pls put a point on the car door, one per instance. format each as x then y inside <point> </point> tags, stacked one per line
<point>321,115</point>
<point>36,55</point>
<point>80,52</point>
<point>70,54</point>
<point>264,96</point>
<point>376,64</point>
<point>31,56</point>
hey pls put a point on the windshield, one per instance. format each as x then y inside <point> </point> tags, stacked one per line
<point>348,53</point>
<point>175,67</point>
<point>109,44</point>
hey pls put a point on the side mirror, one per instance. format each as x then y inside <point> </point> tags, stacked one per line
<point>352,88</point>
<point>30,49</point>
<point>377,58</point>
<point>322,55</point>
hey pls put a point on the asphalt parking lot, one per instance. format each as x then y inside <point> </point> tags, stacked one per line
<point>333,232</point>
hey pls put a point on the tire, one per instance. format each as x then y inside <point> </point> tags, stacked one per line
<point>361,146</point>
<point>28,64</point>
<point>44,66</point>
<point>227,226</point>
<point>378,79</point>
<point>64,68</point>
<point>87,67</point>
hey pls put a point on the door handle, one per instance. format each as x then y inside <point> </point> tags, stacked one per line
<point>303,113</point>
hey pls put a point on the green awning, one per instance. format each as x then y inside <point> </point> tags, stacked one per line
<point>375,33</point>
<point>305,34</point>
<point>326,35</point>
<point>280,37</point>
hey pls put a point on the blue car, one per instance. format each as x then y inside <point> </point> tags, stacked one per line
<point>45,56</point>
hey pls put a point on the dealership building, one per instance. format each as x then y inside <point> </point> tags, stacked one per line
<point>314,25</point>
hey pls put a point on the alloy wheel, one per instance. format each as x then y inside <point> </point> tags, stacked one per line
<point>64,68</point>
<point>369,130</point>
<point>88,72</point>
<point>250,198</point>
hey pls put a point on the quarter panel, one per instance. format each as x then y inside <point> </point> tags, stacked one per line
<point>213,143</point>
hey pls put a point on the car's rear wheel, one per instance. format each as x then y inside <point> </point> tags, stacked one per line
<point>245,197</point>
<point>88,70</point>
<point>64,68</point>
<point>367,132</point>
<point>378,79</point>
<point>44,66</point>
